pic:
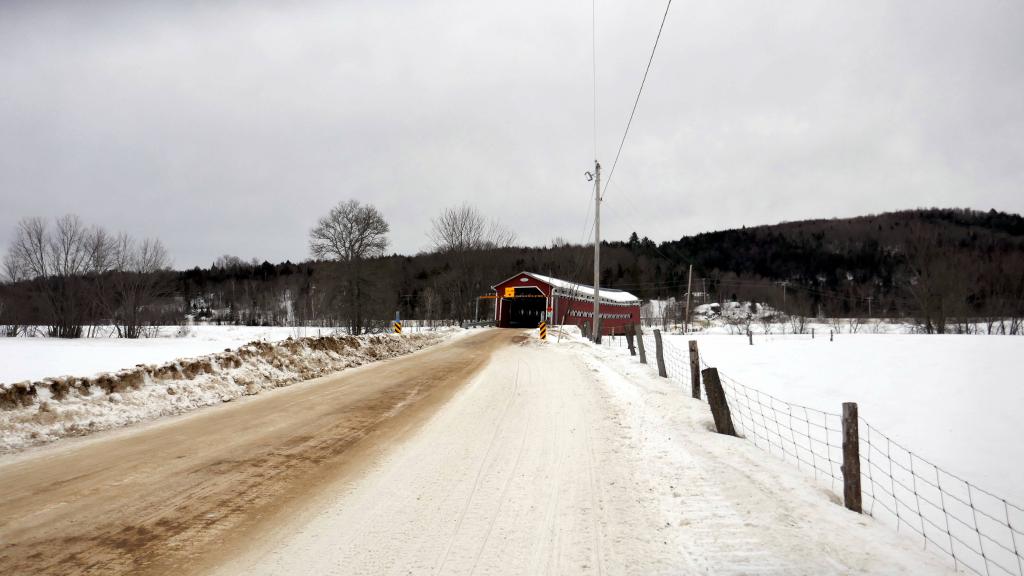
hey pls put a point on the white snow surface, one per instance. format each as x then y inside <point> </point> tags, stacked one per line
<point>565,458</point>
<point>37,358</point>
<point>955,400</point>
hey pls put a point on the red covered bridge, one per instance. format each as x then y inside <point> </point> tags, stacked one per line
<point>525,299</point>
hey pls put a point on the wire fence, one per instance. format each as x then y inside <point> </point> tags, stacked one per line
<point>978,531</point>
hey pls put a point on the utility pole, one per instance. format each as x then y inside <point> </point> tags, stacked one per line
<point>597,251</point>
<point>689,291</point>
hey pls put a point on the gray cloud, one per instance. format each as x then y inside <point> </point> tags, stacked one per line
<point>230,127</point>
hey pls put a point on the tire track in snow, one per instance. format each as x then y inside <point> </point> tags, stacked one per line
<point>504,490</point>
<point>479,473</point>
<point>550,535</point>
<point>594,495</point>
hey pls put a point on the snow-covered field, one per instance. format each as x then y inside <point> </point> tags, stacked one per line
<point>37,358</point>
<point>954,400</point>
<point>950,400</point>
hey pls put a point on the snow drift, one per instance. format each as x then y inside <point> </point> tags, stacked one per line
<point>33,413</point>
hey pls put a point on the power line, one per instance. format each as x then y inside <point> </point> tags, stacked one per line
<point>632,113</point>
<point>654,245</point>
<point>586,220</point>
<point>593,41</point>
<point>580,261</point>
<point>597,192</point>
<point>637,100</point>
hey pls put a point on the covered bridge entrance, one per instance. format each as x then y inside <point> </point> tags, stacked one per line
<point>524,300</point>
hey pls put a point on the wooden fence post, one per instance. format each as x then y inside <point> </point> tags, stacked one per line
<point>812,333</point>
<point>694,370</point>
<point>750,335</point>
<point>629,339</point>
<point>851,458</point>
<point>659,352</point>
<point>718,403</point>
<point>831,336</point>
<point>640,343</point>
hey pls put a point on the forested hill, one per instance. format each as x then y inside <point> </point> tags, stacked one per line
<point>954,261</point>
<point>941,266</point>
<point>868,247</point>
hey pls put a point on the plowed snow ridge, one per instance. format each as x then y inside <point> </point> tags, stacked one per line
<point>33,413</point>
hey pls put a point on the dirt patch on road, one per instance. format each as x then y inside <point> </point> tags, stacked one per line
<point>176,496</point>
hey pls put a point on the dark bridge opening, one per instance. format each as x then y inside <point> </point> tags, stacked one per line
<point>526,310</point>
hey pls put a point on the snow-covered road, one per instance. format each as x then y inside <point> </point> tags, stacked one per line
<point>568,459</point>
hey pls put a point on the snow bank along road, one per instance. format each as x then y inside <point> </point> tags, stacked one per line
<point>173,496</point>
<point>493,454</point>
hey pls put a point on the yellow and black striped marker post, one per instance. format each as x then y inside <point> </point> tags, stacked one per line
<point>397,326</point>
<point>543,331</point>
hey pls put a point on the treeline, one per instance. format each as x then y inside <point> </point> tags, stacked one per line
<point>69,277</point>
<point>949,269</point>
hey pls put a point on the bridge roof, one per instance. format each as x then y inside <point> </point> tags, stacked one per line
<point>579,290</point>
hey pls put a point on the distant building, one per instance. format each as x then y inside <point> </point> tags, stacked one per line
<point>525,299</point>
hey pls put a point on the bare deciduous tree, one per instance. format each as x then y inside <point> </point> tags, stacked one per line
<point>937,281</point>
<point>836,322</point>
<point>463,235</point>
<point>854,324</point>
<point>12,270</point>
<point>746,319</point>
<point>135,281</point>
<point>464,229</point>
<point>798,323</point>
<point>350,234</point>
<point>80,274</point>
<point>10,273</point>
<point>229,262</point>
<point>56,261</point>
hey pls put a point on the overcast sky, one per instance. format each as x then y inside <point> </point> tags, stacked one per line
<point>230,127</point>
